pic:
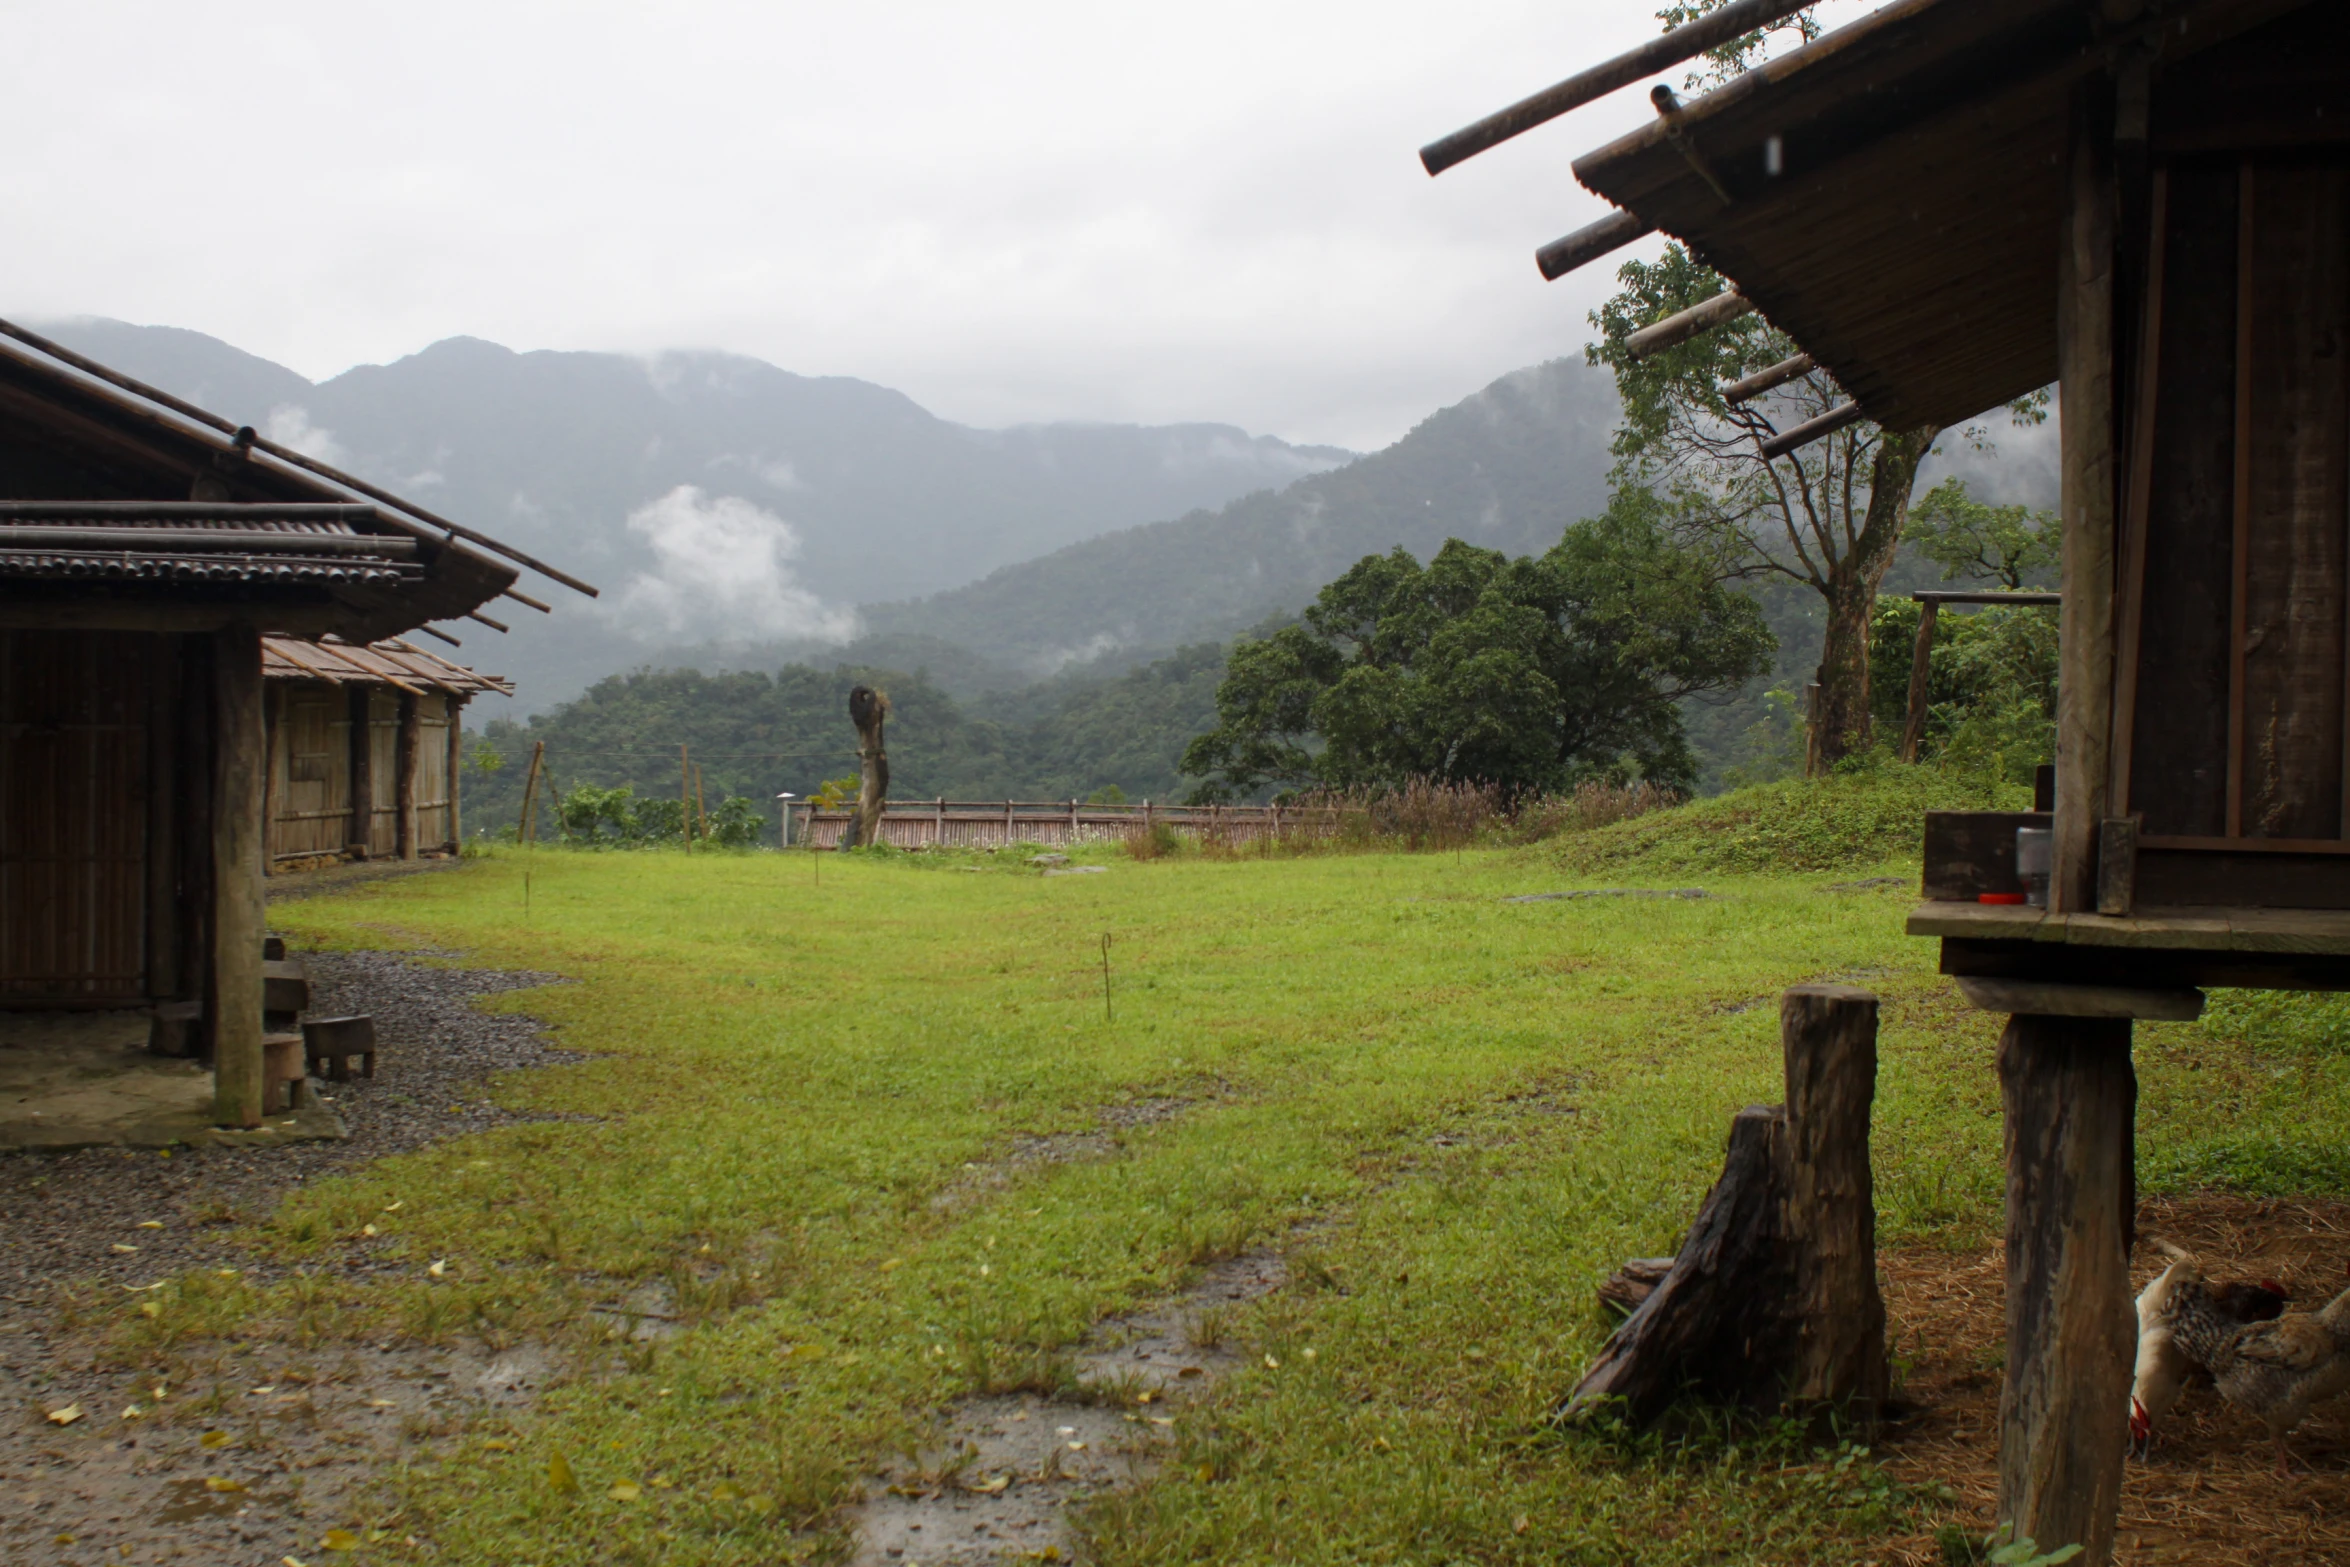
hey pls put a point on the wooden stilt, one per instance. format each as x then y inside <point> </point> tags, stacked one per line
<point>238,916</point>
<point>2071,1099</point>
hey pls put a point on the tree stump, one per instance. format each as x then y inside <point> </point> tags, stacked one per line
<point>1772,1300</point>
<point>868,710</point>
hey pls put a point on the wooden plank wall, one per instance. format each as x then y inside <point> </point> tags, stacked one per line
<point>2238,742</point>
<point>432,773</point>
<point>383,751</point>
<point>76,709</point>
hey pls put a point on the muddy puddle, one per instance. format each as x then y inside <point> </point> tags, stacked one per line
<point>997,1480</point>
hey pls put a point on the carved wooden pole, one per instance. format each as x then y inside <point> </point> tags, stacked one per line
<point>868,710</point>
<point>238,913</point>
<point>1829,1036</point>
<point>2072,1332</point>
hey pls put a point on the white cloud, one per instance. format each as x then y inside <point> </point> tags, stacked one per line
<point>289,424</point>
<point>722,570</point>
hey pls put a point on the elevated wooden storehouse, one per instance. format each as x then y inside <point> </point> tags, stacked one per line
<point>1948,204</point>
<point>147,547</point>
<point>365,748</point>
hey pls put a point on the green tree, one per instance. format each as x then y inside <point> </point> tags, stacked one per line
<point>1530,674</point>
<point>1828,515</point>
<point>2013,546</point>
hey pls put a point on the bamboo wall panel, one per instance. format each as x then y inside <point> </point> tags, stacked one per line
<point>2178,763</point>
<point>2298,340</point>
<point>311,767</point>
<point>432,772</point>
<point>74,779</point>
<point>383,749</point>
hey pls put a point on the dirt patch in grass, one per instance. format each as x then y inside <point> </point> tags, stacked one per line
<point>998,1478</point>
<point>2208,1493</point>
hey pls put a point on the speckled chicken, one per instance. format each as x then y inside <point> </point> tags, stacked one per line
<point>2273,1371</point>
<point>2163,1366</point>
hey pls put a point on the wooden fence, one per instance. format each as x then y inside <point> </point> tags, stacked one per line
<point>978,824</point>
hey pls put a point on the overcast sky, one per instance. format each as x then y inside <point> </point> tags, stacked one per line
<point>1016,211</point>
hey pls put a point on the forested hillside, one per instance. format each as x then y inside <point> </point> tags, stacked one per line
<point>756,734</point>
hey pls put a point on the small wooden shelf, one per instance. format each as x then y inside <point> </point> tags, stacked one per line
<point>2294,949</point>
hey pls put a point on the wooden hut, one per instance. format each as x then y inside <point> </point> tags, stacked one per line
<point>147,548</point>
<point>1948,204</point>
<point>365,748</point>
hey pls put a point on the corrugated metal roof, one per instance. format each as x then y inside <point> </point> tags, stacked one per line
<point>392,662</point>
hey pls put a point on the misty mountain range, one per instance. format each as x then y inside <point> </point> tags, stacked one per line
<point>736,514</point>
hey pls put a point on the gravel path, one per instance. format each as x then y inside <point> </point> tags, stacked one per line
<point>64,1216</point>
<point>253,1451</point>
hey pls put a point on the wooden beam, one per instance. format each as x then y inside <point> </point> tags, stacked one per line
<point>238,918</point>
<point>166,967</point>
<point>1913,729</point>
<point>409,754</point>
<point>1762,381</point>
<point>2085,392</point>
<point>2071,1101</point>
<point>1811,430</point>
<point>272,699</point>
<point>1829,1037</point>
<point>1590,242</point>
<point>1680,327</point>
<point>361,837</point>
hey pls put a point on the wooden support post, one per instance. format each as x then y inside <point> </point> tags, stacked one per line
<point>411,737</point>
<point>2071,1099</point>
<point>456,707</point>
<point>239,919</point>
<point>526,825</point>
<point>362,831</point>
<point>272,699</point>
<point>1913,732</point>
<point>2087,468</point>
<point>1828,1034</point>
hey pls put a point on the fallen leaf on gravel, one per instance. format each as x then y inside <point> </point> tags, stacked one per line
<point>227,1273</point>
<point>119,1246</point>
<point>224,1487</point>
<point>150,1224</point>
<point>395,1207</point>
<point>367,1229</point>
<point>439,1269</point>
<point>1191,1371</point>
<point>63,1539</point>
<point>66,1416</point>
<point>1162,1420</point>
<point>381,1403</point>
<point>133,1412</point>
<point>559,1475</point>
<point>214,1439</point>
<point>991,1488</point>
<point>338,1540</point>
<point>1271,1364</point>
<point>724,1491</point>
<point>625,1491</point>
<point>291,1561</point>
<point>148,1308</point>
<point>266,1387</point>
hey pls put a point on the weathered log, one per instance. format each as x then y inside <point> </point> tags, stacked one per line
<point>1720,1297</point>
<point>2071,1101</point>
<point>1829,1033</point>
<point>1772,1300</point>
<point>1627,1289</point>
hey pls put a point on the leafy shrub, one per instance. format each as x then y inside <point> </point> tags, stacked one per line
<point>1990,685</point>
<point>1156,841</point>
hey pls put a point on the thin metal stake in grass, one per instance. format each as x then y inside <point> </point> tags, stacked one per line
<point>1108,1016</point>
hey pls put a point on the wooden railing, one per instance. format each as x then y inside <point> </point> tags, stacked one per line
<point>972,824</point>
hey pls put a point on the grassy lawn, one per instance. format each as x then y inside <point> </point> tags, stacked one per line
<point>1454,1113</point>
